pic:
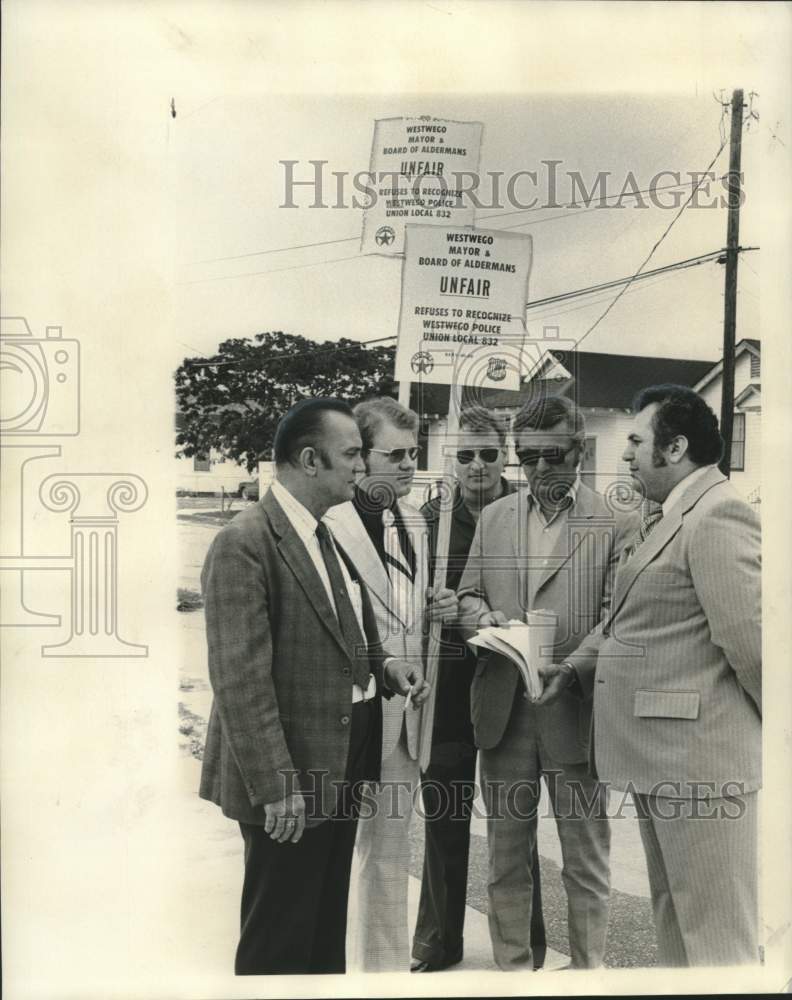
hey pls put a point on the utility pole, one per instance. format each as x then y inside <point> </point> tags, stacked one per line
<point>730,303</point>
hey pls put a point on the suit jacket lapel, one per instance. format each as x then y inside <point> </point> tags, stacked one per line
<point>296,557</point>
<point>660,536</point>
<point>351,533</point>
<point>649,550</point>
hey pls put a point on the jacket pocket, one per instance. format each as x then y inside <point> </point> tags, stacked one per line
<point>667,704</point>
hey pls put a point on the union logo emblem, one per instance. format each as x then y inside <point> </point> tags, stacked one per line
<point>384,236</point>
<point>496,369</point>
<point>422,363</point>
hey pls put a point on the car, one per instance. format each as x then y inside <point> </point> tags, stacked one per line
<point>249,490</point>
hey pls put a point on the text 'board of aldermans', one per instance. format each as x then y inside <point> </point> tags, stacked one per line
<point>462,317</point>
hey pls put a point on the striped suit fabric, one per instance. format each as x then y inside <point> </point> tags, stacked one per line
<point>675,672</point>
<point>381,940</point>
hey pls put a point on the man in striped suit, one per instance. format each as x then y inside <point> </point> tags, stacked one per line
<point>676,674</point>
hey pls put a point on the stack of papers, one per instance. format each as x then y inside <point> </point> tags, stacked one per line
<point>527,645</point>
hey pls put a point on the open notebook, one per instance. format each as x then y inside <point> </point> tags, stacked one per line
<point>527,644</point>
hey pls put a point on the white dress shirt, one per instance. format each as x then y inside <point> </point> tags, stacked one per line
<point>304,524</point>
<point>676,493</point>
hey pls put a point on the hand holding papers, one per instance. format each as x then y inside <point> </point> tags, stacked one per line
<point>528,645</point>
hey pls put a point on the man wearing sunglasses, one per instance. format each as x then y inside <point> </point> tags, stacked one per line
<point>555,547</point>
<point>385,537</point>
<point>449,783</point>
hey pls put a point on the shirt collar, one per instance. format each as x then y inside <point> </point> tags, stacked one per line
<point>676,493</point>
<point>300,518</point>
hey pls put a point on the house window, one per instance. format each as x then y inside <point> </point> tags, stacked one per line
<point>200,464</point>
<point>756,366</point>
<point>738,443</point>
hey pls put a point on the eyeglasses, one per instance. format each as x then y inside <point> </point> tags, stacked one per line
<point>397,455</point>
<point>553,456</point>
<point>488,455</point>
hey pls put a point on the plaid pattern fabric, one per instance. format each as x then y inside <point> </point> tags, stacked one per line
<point>280,670</point>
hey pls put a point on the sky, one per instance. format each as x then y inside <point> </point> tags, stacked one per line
<point>227,186</point>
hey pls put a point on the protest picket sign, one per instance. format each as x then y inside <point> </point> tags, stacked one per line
<point>463,299</point>
<point>420,169</point>
<point>461,324</point>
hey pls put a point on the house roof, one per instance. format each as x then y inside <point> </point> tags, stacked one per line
<point>746,344</point>
<point>599,381</point>
<point>754,388</point>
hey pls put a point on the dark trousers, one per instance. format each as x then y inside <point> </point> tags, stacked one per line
<point>448,790</point>
<point>294,896</point>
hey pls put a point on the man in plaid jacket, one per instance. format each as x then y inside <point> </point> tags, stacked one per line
<point>297,672</point>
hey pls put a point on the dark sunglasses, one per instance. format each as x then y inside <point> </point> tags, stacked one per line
<point>553,456</point>
<point>397,455</point>
<point>488,455</point>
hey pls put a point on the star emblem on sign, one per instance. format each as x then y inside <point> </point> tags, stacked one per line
<point>384,236</point>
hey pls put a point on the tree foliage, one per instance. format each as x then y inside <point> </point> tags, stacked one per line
<point>232,401</point>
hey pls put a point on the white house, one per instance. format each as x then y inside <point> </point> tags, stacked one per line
<point>209,475</point>
<point>747,431</point>
<point>602,385</point>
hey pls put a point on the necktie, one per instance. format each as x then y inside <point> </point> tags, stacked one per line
<point>649,518</point>
<point>399,571</point>
<point>350,629</point>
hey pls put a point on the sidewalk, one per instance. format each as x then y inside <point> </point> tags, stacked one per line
<point>215,846</point>
<point>213,852</point>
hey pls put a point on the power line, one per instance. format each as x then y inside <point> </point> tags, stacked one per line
<point>208,363</point>
<point>651,253</point>
<point>261,253</point>
<point>549,300</point>
<point>678,266</point>
<point>274,270</point>
<point>584,206</point>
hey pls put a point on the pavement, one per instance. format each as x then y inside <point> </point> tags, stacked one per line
<point>215,846</point>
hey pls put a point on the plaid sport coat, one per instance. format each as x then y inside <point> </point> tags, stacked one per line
<point>280,671</point>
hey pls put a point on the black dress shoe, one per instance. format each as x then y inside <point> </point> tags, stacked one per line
<point>419,966</point>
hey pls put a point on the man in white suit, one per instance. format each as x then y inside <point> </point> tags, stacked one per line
<point>676,674</point>
<point>386,539</point>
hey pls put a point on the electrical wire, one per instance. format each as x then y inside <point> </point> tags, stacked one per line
<point>584,206</point>
<point>651,253</point>
<point>563,297</point>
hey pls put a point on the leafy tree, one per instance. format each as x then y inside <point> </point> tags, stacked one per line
<point>232,401</point>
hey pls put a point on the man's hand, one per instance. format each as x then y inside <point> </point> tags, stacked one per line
<point>491,618</point>
<point>407,678</point>
<point>442,606</point>
<point>557,678</point>
<point>285,819</point>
